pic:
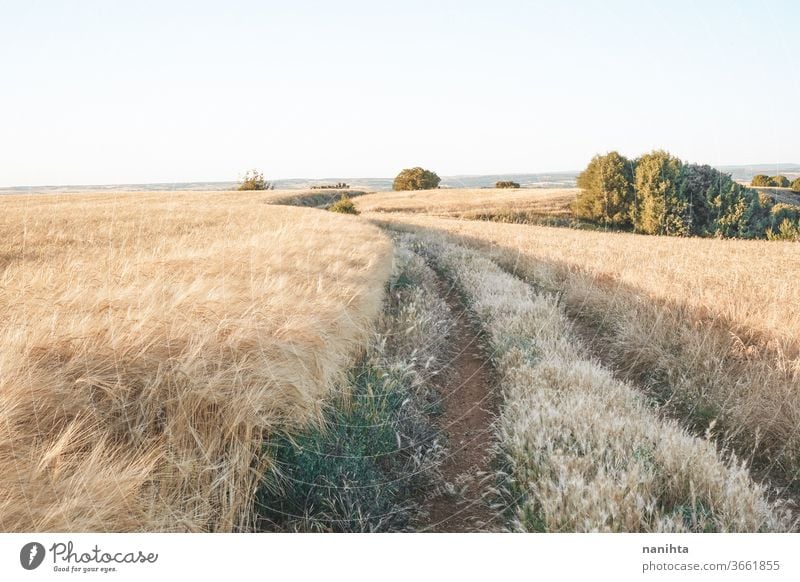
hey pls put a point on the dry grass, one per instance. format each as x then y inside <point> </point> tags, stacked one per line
<point>150,341</point>
<point>584,451</point>
<point>708,326</point>
<point>469,203</point>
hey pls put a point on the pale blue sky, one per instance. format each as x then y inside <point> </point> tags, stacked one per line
<point>147,91</point>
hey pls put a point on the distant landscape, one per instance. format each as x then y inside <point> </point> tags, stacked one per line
<point>564,179</point>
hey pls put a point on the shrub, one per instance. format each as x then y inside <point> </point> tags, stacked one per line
<point>660,207</point>
<point>760,180</point>
<point>660,194</point>
<point>787,230</point>
<point>344,205</point>
<point>607,190</point>
<point>698,185</point>
<point>337,186</point>
<point>795,185</point>
<point>254,180</point>
<point>779,182</point>
<point>416,179</point>
<point>506,184</point>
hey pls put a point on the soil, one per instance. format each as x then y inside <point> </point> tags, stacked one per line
<point>469,408</point>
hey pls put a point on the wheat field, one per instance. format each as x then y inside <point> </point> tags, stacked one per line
<point>708,327</point>
<point>158,346</point>
<point>583,451</point>
<point>151,342</point>
<point>471,202</point>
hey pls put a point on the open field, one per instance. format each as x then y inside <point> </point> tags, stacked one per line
<point>472,203</point>
<point>706,327</point>
<point>150,343</point>
<point>582,450</point>
<point>749,283</point>
<point>220,361</point>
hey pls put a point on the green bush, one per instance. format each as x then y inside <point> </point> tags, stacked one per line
<point>416,179</point>
<point>344,205</point>
<point>796,185</point>
<point>606,190</point>
<point>660,194</point>
<point>506,184</point>
<point>659,206</point>
<point>760,181</point>
<point>779,182</point>
<point>254,180</point>
<point>787,230</point>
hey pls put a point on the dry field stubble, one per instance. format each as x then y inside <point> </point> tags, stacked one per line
<point>151,341</point>
<point>707,326</point>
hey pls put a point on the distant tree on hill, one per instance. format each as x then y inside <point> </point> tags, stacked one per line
<point>416,179</point>
<point>606,190</point>
<point>796,185</point>
<point>779,182</point>
<point>760,180</point>
<point>254,180</point>
<point>506,184</point>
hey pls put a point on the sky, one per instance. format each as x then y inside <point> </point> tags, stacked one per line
<point>112,91</point>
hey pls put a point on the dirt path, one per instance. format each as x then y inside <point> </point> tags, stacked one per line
<point>469,407</point>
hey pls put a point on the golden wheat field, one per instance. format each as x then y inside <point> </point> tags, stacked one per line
<point>751,283</point>
<point>151,342</point>
<point>470,202</point>
<point>584,450</point>
<point>708,327</point>
<point>163,352</point>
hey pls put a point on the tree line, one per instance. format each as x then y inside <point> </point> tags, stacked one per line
<point>658,193</point>
<point>764,181</point>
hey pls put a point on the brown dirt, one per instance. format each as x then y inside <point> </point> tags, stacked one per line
<point>469,406</point>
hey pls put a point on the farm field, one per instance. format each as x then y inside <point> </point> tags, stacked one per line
<point>229,361</point>
<point>150,343</point>
<point>684,319</point>
<point>472,203</point>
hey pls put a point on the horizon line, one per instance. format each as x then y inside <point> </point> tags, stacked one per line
<point>161,182</point>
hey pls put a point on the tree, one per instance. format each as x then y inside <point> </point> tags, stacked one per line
<point>254,180</point>
<point>678,199</point>
<point>760,181</point>
<point>796,185</point>
<point>738,211</point>
<point>659,206</point>
<point>779,182</point>
<point>506,184</point>
<point>699,184</point>
<point>416,179</point>
<point>606,190</point>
